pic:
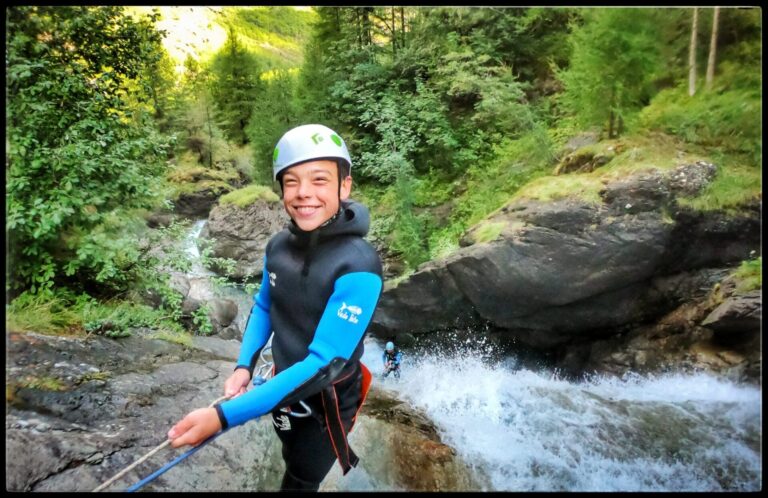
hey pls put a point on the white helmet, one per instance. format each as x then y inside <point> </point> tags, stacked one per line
<point>307,142</point>
<point>390,346</point>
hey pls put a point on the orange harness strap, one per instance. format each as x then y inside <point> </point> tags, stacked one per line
<point>347,458</point>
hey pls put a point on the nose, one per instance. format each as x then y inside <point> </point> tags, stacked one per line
<point>304,189</point>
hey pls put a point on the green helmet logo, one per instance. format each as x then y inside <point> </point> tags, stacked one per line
<point>316,138</point>
<point>336,139</point>
<point>274,155</point>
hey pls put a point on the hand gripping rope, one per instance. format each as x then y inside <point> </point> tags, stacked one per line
<point>261,377</point>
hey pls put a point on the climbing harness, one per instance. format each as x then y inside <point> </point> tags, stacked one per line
<point>267,370</point>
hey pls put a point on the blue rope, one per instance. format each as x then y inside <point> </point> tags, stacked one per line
<point>257,380</point>
<point>168,466</point>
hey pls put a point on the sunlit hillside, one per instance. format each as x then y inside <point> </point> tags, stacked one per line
<point>276,34</point>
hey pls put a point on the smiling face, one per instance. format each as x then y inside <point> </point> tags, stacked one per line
<point>311,192</point>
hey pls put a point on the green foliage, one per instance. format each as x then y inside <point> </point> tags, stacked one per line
<point>272,114</point>
<point>45,312</point>
<point>80,145</point>
<point>614,62</point>
<point>728,117</point>
<point>235,86</point>
<point>749,275</point>
<point>275,35</point>
<point>244,197</point>
<point>202,321</point>
<point>42,383</point>
<point>516,163</point>
<point>59,312</point>
<point>737,184</point>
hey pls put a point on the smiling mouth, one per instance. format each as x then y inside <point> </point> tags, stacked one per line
<point>306,210</point>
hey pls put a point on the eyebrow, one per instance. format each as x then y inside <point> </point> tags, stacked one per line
<point>311,172</point>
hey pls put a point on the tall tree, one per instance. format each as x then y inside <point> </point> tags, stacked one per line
<point>692,53</point>
<point>614,62</point>
<point>712,50</point>
<point>235,85</point>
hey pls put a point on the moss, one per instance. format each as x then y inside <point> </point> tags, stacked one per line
<point>585,186</point>
<point>749,275</point>
<point>181,338</point>
<point>246,196</point>
<point>488,231</point>
<point>44,383</point>
<point>93,376</point>
<point>734,186</point>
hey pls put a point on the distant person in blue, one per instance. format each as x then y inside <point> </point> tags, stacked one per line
<point>322,281</point>
<point>391,359</point>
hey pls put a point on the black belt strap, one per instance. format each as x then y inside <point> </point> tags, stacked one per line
<point>347,457</point>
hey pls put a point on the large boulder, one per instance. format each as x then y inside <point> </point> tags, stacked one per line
<point>553,272</point>
<point>242,234</point>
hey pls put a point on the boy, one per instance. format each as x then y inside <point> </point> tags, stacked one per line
<point>321,284</point>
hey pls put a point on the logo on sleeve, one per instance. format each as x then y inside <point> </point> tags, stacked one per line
<point>272,278</point>
<point>349,313</point>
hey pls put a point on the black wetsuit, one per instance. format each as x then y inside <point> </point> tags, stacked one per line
<point>318,294</point>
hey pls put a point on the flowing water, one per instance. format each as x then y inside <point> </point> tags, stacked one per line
<point>523,428</point>
<point>528,430</point>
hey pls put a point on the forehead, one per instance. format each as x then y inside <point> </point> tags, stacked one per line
<point>316,166</point>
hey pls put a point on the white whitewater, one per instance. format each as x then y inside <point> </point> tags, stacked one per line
<point>525,430</point>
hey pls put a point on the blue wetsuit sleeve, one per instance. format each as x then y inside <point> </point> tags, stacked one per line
<point>257,329</point>
<point>341,327</point>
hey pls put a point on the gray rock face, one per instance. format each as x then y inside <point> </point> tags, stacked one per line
<point>717,332</point>
<point>242,234</point>
<point>80,410</point>
<point>565,270</point>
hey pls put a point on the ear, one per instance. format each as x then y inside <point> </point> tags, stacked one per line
<point>346,188</point>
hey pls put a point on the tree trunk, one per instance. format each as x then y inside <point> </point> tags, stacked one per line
<point>712,51</point>
<point>367,29</point>
<point>692,54</point>
<point>402,27</point>
<point>210,135</point>
<point>610,125</point>
<point>394,31</point>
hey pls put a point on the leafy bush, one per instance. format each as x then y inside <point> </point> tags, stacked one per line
<point>80,146</point>
<point>727,119</point>
<point>750,275</point>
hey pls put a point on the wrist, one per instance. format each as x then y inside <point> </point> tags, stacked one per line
<point>243,367</point>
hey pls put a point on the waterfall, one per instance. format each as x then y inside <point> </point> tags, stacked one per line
<point>527,430</point>
<point>200,278</point>
<point>193,253</point>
